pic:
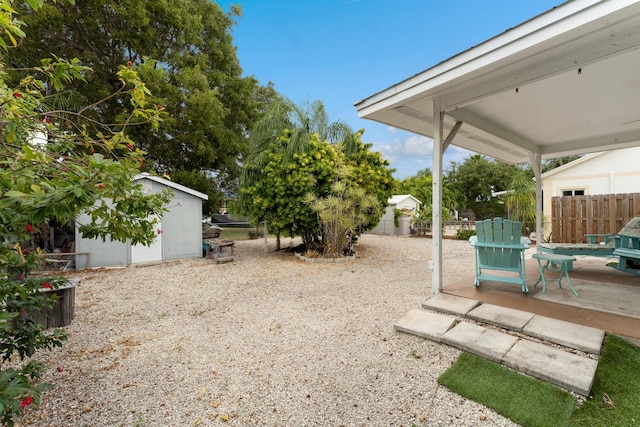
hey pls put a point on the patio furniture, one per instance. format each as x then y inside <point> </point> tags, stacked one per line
<point>599,245</point>
<point>500,246</point>
<point>627,248</point>
<point>555,263</point>
<point>219,250</point>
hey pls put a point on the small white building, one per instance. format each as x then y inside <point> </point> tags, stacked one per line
<point>607,172</point>
<point>178,234</point>
<point>406,203</point>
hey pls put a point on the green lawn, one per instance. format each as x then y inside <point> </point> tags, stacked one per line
<point>235,233</point>
<point>615,396</point>
<point>614,401</point>
<point>525,400</point>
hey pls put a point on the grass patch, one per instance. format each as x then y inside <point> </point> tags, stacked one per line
<point>235,233</point>
<point>615,396</point>
<point>525,400</point>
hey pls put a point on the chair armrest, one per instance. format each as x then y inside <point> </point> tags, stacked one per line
<point>525,242</point>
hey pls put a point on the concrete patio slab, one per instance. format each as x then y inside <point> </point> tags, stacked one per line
<point>425,324</point>
<point>580,337</point>
<point>450,304</point>
<point>487,343</point>
<point>508,318</point>
<point>559,367</point>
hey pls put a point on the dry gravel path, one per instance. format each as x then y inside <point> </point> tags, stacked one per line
<point>267,340</point>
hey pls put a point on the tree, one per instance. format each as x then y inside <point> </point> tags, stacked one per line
<point>297,123</point>
<point>289,130</point>
<point>57,164</point>
<point>476,179</point>
<point>283,185</point>
<point>343,214</point>
<point>421,187</point>
<point>183,51</point>
<point>521,200</point>
<point>550,164</point>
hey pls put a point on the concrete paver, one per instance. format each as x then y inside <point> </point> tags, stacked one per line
<point>425,324</point>
<point>450,304</point>
<point>557,366</point>
<point>583,338</point>
<point>553,365</point>
<point>487,343</point>
<point>504,317</point>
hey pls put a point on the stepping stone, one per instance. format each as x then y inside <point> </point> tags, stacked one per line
<point>583,338</point>
<point>425,324</point>
<point>508,318</point>
<point>559,367</point>
<point>450,304</point>
<point>487,343</point>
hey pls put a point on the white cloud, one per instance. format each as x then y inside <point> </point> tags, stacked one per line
<point>418,146</point>
<point>409,153</point>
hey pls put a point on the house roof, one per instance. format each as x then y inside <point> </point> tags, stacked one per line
<point>171,184</point>
<point>622,161</point>
<point>396,199</point>
<point>565,82</point>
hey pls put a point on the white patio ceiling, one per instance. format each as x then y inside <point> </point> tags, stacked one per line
<point>565,82</point>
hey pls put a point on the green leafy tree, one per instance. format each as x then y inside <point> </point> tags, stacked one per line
<point>476,179</point>
<point>521,201</point>
<point>421,187</point>
<point>57,164</point>
<point>343,214</point>
<point>296,123</point>
<point>280,190</point>
<point>550,164</point>
<point>183,50</point>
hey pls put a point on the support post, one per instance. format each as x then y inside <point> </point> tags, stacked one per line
<point>436,275</point>
<point>536,165</point>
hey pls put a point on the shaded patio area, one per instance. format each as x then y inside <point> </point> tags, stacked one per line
<point>585,269</point>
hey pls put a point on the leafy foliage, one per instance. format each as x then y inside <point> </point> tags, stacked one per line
<point>183,50</point>
<point>343,213</point>
<point>57,164</point>
<point>291,166</point>
<point>476,179</point>
<point>521,200</point>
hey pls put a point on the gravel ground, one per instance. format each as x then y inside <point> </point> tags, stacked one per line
<point>266,340</point>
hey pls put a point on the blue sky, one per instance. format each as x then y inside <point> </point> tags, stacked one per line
<point>342,51</point>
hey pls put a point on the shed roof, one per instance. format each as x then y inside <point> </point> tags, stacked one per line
<point>396,199</point>
<point>171,184</point>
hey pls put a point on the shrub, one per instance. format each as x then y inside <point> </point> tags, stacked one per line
<point>465,234</point>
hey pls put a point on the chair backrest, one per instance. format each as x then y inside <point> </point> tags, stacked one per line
<point>629,236</point>
<point>495,234</point>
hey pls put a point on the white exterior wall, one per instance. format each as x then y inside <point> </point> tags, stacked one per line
<point>181,228</point>
<point>611,172</point>
<point>387,222</point>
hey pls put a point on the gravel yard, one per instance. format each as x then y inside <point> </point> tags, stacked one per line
<point>266,340</point>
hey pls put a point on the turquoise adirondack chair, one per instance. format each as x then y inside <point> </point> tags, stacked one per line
<point>500,246</point>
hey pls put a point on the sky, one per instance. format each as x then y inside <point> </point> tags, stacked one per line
<point>343,51</point>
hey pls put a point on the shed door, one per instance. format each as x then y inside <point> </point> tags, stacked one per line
<point>141,253</point>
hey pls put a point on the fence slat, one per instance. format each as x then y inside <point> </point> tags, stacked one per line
<point>574,216</point>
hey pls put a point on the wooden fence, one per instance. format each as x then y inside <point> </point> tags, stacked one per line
<point>574,216</point>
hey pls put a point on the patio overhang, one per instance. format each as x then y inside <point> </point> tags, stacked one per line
<point>565,82</point>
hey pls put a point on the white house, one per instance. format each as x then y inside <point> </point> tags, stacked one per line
<point>607,172</point>
<point>405,203</point>
<point>178,235</point>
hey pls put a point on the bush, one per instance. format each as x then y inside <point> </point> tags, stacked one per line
<point>465,234</point>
